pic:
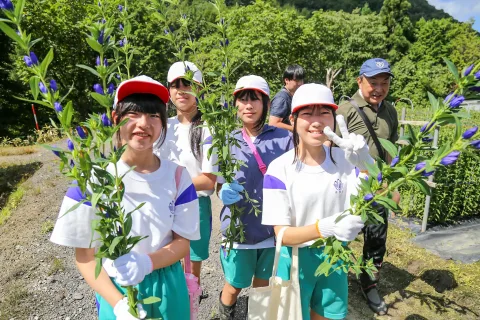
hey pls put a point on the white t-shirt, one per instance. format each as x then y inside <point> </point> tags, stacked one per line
<point>165,211</point>
<point>295,194</point>
<point>177,149</point>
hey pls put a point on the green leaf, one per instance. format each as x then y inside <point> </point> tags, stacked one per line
<point>13,35</point>
<point>93,71</point>
<point>98,267</point>
<point>115,242</point>
<point>34,81</point>
<point>19,5</point>
<point>46,62</point>
<point>103,100</point>
<point>95,45</point>
<point>95,197</point>
<point>388,203</point>
<point>67,114</point>
<point>433,102</point>
<point>150,300</point>
<point>458,129</point>
<point>323,269</point>
<point>422,186</point>
<point>389,146</point>
<point>128,224</point>
<point>453,69</point>
<point>78,204</point>
<point>43,103</point>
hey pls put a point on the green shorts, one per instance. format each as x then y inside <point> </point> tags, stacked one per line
<point>199,248</point>
<point>168,284</point>
<point>327,296</point>
<point>241,265</point>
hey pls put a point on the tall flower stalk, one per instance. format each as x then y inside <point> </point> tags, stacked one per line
<point>85,160</point>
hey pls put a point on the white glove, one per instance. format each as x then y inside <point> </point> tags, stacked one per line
<point>131,268</point>
<point>354,145</point>
<point>121,311</point>
<point>346,229</point>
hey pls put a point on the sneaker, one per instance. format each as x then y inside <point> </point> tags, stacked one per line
<point>226,312</point>
<point>375,301</point>
<point>203,296</point>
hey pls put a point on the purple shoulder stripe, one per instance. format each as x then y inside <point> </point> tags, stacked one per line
<point>75,193</point>
<point>187,196</point>
<point>208,140</point>
<point>271,182</point>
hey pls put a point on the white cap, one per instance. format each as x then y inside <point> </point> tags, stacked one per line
<point>312,94</point>
<point>141,84</point>
<point>180,68</point>
<point>252,82</point>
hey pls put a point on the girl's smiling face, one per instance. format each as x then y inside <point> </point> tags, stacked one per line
<point>310,123</point>
<point>250,107</point>
<point>141,131</point>
<point>180,97</point>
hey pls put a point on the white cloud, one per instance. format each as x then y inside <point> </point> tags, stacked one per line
<point>461,10</point>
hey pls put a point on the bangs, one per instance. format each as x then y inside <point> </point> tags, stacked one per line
<point>141,102</point>
<point>249,93</point>
<point>176,83</point>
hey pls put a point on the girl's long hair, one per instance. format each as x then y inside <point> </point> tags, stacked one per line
<point>296,139</point>
<point>252,96</point>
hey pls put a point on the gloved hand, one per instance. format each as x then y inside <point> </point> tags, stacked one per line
<point>354,145</point>
<point>131,268</point>
<point>346,229</point>
<point>230,193</point>
<point>121,311</point>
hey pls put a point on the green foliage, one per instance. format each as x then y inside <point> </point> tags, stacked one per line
<point>399,27</point>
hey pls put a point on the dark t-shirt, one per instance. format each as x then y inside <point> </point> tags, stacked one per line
<point>281,106</point>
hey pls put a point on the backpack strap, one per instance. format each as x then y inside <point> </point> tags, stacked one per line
<point>362,114</point>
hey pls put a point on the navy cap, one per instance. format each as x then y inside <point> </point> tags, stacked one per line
<point>372,67</point>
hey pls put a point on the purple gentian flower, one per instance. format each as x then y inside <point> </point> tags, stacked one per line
<point>166,31</point>
<point>103,21</point>
<point>357,172</point>
<point>171,28</point>
<point>470,133</point>
<point>222,21</point>
<point>33,57</point>
<point>224,79</point>
<point>100,37</point>
<point>184,16</point>
<point>120,8</point>
<point>468,70</point>
<point>98,62</point>
<point>42,87</point>
<point>456,101</point>
<point>227,42</point>
<point>374,204</point>
<point>57,153</point>
<point>428,174</point>
<point>221,43</point>
<point>368,197</point>
<point>120,26</point>
<point>81,132</point>
<point>225,105</point>
<point>105,62</point>
<point>420,166</point>
<point>394,162</point>
<point>477,75</point>
<point>70,145</point>
<point>58,107</point>
<point>450,158</point>
<point>475,144</point>
<point>111,88</point>
<point>475,89</point>
<point>380,177</point>
<point>27,60</point>
<point>72,164</point>
<point>427,139</point>
<point>118,76</point>
<point>6,5</point>
<point>106,121</point>
<point>53,85</point>
<point>98,88</point>
<point>425,128</point>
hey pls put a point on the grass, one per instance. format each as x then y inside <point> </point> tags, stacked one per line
<point>47,226</point>
<point>12,203</point>
<point>16,293</point>
<point>418,283</point>
<point>17,151</point>
<point>57,265</point>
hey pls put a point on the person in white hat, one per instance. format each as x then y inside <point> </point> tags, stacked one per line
<point>168,218</point>
<point>307,189</point>
<point>258,144</point>
<point>187,144</point>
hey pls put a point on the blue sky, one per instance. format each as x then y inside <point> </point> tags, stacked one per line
<point>462,10</point>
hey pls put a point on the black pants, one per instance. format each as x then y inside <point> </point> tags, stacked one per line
<point>375,239</point>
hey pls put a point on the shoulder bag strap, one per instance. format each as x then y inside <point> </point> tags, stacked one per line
<point>178,177</point>
<point>261,165</point>
<point>278,247</point>
<point>362,114</point>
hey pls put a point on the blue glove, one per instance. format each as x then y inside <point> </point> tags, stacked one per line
<point>230,193</point>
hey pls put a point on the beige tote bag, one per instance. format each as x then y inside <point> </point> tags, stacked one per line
<point>281,299</point>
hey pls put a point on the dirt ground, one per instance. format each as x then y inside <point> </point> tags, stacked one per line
<point>38,280</point>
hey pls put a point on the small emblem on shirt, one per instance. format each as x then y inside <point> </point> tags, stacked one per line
<point>171,206</point>
<point>339,186</point>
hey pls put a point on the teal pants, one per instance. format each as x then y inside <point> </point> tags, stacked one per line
<point>199,248</point>
<point>168,284</point>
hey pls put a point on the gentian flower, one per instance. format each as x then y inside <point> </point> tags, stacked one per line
<point>470,133</point>
<point>120,26</point>
<point>58,107</point>
<point>420,166</point>
<point>380,177</point>
<point>425,128</point>
<point>42,87</point>
<point>171,28</point>
<point>33,57</point>
<point>475,89</point>
<point>225,105</point>
<point>374,203</point>
<point>100,37</point>
<point>81,132</point>
<point>103,21</point>
<point>394,162</point>
<point>475,144</point>
<point>357,172</point>
<point>27,60</point>
<point>118,76</point>
<point>70,145</point>
<point>222,21</point>
<point>477,75</point>
<point>53,85</point>
<point>6,5</point>
<point>428,174</point>
<point>427,139</point>
<point>368,197</point>
<point>120,8</point>
<point>55,152</point>
<point>224,79</point>
<point>184,16</point>
<point>166,31</point>
<point>98,62</point>
<point>106,121</point>
<point>72,164</point>
<point>227,42</point>
<point>111,88</point>
<point>456,101</point>
<point>98,88</point>
<point>105,62</point>
<point>468,70</point>
<point>221,43</point>
<point>450,158</point>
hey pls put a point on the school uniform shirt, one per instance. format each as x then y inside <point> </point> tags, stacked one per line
<point>176,148</point>
<point>295,194</point>
<point>271,143</point>
<point>166,210</point>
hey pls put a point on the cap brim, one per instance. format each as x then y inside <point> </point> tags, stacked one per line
<point>134,87</point>
<point>182,77</point>
<point>246,88</point>
<point>373,74</point>
<point>331,105</point>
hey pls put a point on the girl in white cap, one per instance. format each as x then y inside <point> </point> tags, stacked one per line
<point>307,189</point>
<point>187,144</point>
<point>168,218</point>
<point>258,144</point>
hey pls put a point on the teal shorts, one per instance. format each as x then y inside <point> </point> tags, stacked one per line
<point>327,296</point>
<point>199,248</point>
<point>241,265</point>
<point>168,284</point>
